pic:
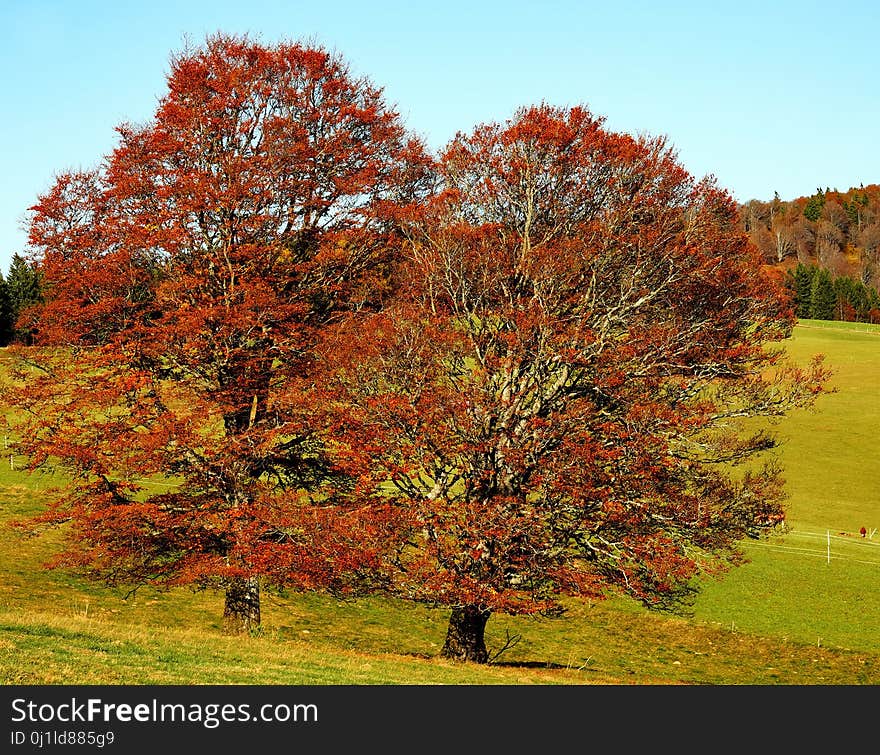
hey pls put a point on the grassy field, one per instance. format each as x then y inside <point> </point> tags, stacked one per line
<point>832,469</point>
<point>790,616</point>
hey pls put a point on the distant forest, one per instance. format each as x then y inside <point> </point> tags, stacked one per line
<point>827,245</point>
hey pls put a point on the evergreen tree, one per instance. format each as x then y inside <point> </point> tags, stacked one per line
<point>24,289</point>
<point>823,299</point>
<point>813,208</point>
<point>844,294</point>
<point>6,315</point>
<point>803,287</point>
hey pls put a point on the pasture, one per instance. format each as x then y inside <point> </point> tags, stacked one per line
<point>832,468</point>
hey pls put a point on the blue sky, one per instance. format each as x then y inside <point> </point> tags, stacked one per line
<point>767,96</point>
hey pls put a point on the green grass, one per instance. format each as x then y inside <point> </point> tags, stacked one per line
<point>786,617</point>
<point>598,644</point>
<point>832,472</point>
<point>49,649</point>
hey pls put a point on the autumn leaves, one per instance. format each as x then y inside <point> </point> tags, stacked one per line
<point>482,379</point>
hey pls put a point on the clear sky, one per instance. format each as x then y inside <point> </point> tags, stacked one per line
<point>767,96</point>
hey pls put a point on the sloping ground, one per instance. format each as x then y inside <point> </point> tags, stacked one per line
<point>818,584</point>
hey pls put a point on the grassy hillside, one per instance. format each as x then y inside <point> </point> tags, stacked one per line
<point>832,470</point>
<point>787,617</point>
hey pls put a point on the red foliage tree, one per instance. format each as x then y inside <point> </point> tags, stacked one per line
<point>187,284</point>
<point>551,401</point>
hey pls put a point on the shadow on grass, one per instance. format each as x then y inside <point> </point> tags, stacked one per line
<point>529,664</point>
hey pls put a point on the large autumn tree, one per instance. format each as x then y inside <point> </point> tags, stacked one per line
<point>187,282</point>
<point>553,399</point>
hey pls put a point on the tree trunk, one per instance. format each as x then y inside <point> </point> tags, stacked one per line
<point>241,613</point>
<point>465,637</point>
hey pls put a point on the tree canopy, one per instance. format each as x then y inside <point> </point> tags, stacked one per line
<point>553,393</point>
<point>188,281</point>
<point>18,293</point>
<point>279,344</point>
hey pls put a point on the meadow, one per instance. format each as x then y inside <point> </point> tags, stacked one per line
<point>803,610</point>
